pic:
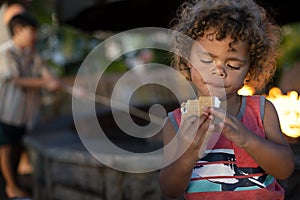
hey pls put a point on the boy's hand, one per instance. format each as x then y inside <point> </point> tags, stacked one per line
<point>230,126</point>
<point>193,134</point>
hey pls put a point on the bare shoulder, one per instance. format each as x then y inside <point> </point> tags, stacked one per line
<point>272,124</point>
<point>269,107</point>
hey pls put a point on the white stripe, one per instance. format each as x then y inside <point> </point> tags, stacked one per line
<point>227,151</point>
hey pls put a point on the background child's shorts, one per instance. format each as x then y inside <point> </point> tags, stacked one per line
<point>10,134</point>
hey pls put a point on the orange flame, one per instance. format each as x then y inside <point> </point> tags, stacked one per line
<point>246,91</point>
<point>287,107</point>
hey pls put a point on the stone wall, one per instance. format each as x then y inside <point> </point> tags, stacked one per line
<point>63,169</point>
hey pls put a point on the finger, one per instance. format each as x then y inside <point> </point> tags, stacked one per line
<point>189,121</point>
<point>203,130</point>
<point>205,138</point>
<point>219,127</point>
<point>218,114</point>
<point>190,127</point>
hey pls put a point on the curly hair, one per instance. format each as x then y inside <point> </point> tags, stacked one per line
<point>242,20</point>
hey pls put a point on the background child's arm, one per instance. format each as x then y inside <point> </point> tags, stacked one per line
<point>47,81</point>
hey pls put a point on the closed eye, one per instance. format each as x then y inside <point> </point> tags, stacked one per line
<point>233,67</point>
<point>206,61</point>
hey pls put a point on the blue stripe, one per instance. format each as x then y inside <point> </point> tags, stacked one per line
<point>242,109</point>
<point>262,107</point>
<point>203,186</point>
<point>173,120</point>
<point>247,188</point>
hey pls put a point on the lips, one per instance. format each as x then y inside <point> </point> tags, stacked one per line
<point>217,85</point>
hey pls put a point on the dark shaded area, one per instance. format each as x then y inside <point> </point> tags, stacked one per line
<point>122,139</point>
<point>125,141</point>
<point>284,12</point>
<point>121,15</point>
<point>292,184</point>
<point>118,15</point>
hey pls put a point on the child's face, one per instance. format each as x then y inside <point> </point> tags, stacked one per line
<point>27,36</point>
<point>215,69</point>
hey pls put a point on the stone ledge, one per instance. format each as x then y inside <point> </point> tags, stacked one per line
<point>63,168</point>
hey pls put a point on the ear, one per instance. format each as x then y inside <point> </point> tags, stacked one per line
<point>246,79</point>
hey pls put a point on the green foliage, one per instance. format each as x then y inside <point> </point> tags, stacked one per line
<point>43,10</point>
<point>290,49</point>
<point>72,45</point>
<point>120,64</point>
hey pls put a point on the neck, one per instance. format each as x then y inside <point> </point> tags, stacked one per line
<point>232,104</point>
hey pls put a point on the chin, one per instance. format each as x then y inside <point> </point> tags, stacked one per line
<point>220,94</point>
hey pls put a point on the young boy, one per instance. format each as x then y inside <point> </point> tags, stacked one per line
<point>234,44</point>
<point>22,74</point>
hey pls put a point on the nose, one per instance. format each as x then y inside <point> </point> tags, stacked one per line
<point>219,69</point>
<point>222,73</point>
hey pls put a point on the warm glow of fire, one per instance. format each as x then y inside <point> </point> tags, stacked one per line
<point>287,106</point>
<point>246,91</point>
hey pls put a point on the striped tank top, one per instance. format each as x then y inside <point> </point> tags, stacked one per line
<point>227,171</point>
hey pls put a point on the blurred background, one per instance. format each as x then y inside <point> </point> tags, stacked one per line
<point>70,29</point>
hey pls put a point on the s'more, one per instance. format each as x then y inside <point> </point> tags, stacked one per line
<point>195,106</point>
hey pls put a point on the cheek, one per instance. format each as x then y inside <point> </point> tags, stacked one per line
<point>197,79</point>
<point>244,75</point>
<point>30,35</point>
<point>237,81</point>
<point>196,76</point>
